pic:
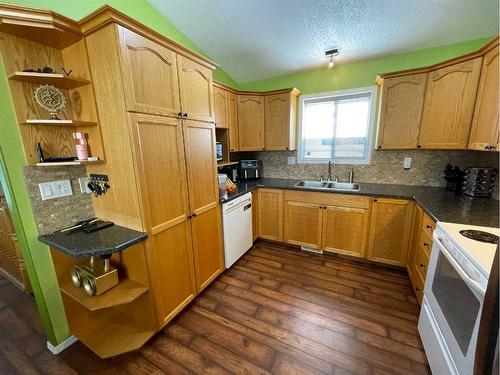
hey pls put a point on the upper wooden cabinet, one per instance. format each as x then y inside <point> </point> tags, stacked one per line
<point>280,121</point>
<point>441,106</point>
<point>449,105</point>
<point>195,84</point>
<point>270,214</point>
<point>221,107</point>
<point>401,111</point>
<point>251,122</point>
<point>390,228</point>
<point>484,133</point>
<point>150,72</point>
<point>232,120</point>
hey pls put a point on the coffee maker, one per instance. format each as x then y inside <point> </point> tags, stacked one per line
<point>249,169</point>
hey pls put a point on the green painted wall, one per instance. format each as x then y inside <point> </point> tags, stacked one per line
<point>362,73</point>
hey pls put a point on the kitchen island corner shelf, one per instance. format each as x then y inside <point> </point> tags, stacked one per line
<point>126,291</point>
<point>56,79</point>
<point>58,122</point>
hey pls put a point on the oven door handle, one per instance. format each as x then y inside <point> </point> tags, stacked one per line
<point>476,287</point>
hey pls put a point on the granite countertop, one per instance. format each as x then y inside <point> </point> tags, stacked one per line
<point>79,244</point>
<point>440,204</point>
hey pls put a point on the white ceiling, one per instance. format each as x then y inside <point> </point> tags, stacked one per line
<point>254,39</point>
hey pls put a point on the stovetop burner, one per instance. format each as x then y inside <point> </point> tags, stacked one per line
<point>480,236</point>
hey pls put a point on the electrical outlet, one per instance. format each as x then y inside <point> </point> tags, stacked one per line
<point>55,189</point>
<point>407,163</point>
<point>83,181</point>
<point>291,160</point>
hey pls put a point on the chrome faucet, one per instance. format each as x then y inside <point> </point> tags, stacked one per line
<point>330,165</point>
<point>351,175</point>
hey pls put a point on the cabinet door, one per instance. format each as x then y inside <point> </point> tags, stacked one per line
<point>220,107</point>
<point>277,122</point>
<point>416,228</point>
<point>150,71</point>
<point>271,214</point>
<point>303,224</point>
<point>232,120</point>
<point>449,104</point>
<point>345,230</point>
<point>161,168</point>
<point>195,84</point>
<point>255,215</point>
<point>199,143</point>
<point>484,132</point>
<point>401,111</point>
<point>251,122</point>
<point>390,227</point>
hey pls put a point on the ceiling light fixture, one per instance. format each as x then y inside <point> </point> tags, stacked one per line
<point>330,53</point>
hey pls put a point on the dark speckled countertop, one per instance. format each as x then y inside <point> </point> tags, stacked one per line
<point>439,203</point>
<point>79,244</point>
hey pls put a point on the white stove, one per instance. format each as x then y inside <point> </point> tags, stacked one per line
<point>454,291</point>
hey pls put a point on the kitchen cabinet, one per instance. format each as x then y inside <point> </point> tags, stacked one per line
<point>164,191</point>
<point>449,104</point>
<point>232,121</point>
<point>150,75</point>
<point>280,121</point>
<point>199,143</point>
<point>303,224</point>
<point>484,133</point>
<point>420,250</point>
<point>345,230</point>
<point>329,222</point>
<point>196,91</point>
<point>401,111</point>
<point>221,107</point>
<point>250,122</point>
<point>255,215</point>
<point>390,228</point>
<point>271,214</point>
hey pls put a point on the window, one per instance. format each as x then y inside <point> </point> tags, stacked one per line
<point>337,126</point>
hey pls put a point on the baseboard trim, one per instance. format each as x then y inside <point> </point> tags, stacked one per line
<point>64,345</point>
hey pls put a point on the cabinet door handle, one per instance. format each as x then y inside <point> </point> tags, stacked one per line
<point>422,265</point>
<point>375,200</point>
<point>193,215</point>
<point>189,217</point>
<point>185,115</point>
<point>428,226</point>
<point>179,114</point>
<point>426,244</point>
<point>417,289</point>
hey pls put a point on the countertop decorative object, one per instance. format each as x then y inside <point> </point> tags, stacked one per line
<point>440,204</point>
<point>79,244</point>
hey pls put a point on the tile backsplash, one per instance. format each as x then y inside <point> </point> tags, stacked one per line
<point>386,166</point>
<point>54,214</point>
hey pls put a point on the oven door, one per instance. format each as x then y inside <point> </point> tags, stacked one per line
<point>455,301</point>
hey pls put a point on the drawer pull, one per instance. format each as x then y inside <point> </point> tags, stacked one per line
<point>422,265</point>
<point>417,289</point>
<point>426,244</point>
<point>428,226</point>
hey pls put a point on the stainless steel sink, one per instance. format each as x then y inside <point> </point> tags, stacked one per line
<point>328,185</point>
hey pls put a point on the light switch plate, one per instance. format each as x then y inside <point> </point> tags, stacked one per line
<point>291,160</point>
<point>55,189</point>
<point>83,181</point>
<point>407,163</point>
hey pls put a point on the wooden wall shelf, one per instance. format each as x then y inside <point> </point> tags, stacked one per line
<point>223,163</point>
<point>59,122</point>
<point>62,163</point>
<point>125,292</point>
<point>55,79</point>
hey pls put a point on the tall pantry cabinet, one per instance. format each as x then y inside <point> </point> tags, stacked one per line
<point>155,101</point>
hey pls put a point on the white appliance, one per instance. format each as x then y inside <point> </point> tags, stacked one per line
<point>453,296</point>
<point>237,225</point>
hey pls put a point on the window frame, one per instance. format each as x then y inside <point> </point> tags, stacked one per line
<point>333,94</point>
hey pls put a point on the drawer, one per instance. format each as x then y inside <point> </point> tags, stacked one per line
<point>418,285</point>
<point>425,242</point>
<point>421,261</point>
<point>428,224</point>
<point>333,199</point>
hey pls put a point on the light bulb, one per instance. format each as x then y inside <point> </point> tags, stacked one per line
<point>331,64</point>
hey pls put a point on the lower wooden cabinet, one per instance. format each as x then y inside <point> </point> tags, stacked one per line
<point>345,230</point>
<point>420,250</point>
<point>303,224</point>
<point>271,214</point>
<point>390,228</point>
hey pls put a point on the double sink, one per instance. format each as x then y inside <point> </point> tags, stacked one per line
<point>328,185</point>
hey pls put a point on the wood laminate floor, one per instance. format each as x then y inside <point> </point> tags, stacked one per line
<point>276,311</point>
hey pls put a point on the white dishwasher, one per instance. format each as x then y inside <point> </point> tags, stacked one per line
<point>237,224</point>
